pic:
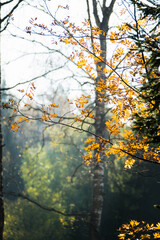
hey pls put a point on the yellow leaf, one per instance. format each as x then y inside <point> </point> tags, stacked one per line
<point>53,115</point>
<point>122,236</point>
<point>21,119</point>
<point>89,140</point>
<point>53,105</point>
<point>14,127</point>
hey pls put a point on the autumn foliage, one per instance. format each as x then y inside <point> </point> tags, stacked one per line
<point>139,230</point>
<point>121,89</point>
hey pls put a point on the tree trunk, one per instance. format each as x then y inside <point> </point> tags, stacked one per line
<point>1,183</point>
<point>1,171</point>
<point>98,179</point>
<point>1,165</point>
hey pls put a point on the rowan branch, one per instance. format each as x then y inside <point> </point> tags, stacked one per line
<point>51,51</point>
<point>90,52</point>
<point>105,141</point>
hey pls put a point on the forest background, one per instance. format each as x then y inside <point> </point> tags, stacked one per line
<point>80,118</point>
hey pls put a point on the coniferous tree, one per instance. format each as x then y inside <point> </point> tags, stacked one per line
<point>147,42</point>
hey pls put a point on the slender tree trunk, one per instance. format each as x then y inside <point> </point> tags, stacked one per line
<point>1,183</point>
<point>1,165</point>
<point>98,180</point>
<point>1,171</point>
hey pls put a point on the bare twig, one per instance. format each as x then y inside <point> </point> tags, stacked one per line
<point>7,16</point>
<point>50,209</point>
<point>75,171</point>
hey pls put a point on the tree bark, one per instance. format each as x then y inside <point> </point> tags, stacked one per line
<point>1,171</point>
<point>1,180</point>
<point>1,163</point>
<point>98,179</point>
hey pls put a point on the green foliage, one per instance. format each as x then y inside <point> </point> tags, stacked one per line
<point>146,122</point>
<point>47,175</point>
<point>25,221</point>
<point>150,8</point>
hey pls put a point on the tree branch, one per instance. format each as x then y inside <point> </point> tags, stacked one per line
<point>95,12</point>
<point>50,209</point>
<point>8,15</point>
<point>104,3</point>
<point>75,171</point>
<point>106,141</point>
<point>112,4</point>
<point>4,3</point>
<point>30,80</point>
<point>106,11</point>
